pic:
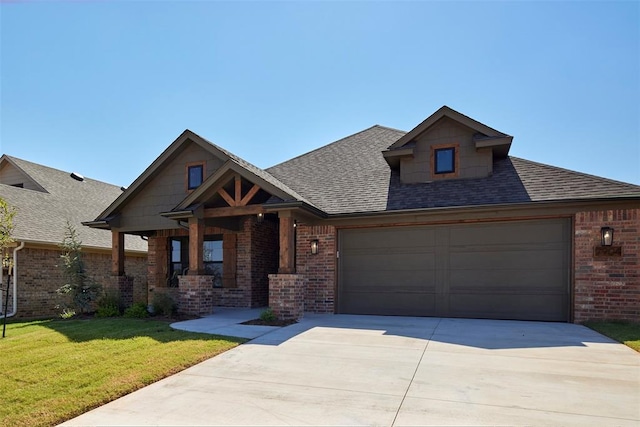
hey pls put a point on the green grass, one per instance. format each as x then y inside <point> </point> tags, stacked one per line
<point>54,370</point>
<point>627,333</point>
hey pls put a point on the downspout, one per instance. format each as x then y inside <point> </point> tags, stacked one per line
<point>14,306</point>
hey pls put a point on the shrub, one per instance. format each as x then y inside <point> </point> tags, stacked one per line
<point>163,304</point>
<point>108,305</point>
<point>67,313</point>
<point>137,310</point>
<point>268,316</point>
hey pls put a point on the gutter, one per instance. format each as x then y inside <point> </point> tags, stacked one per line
<point>14,307</point>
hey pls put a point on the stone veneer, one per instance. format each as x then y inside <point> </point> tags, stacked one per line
<point>319,269</point>
<point>286,295</point>
<point>607,287</point>
<point>39,275</point>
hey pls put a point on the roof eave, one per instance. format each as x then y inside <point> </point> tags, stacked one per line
<point>294,204</point>
<point>539,203</point>
<point>393,157</point>
<point>101,224</point>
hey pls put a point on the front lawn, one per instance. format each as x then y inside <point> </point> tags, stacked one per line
<point>627,333</point>
<point>54,370</point>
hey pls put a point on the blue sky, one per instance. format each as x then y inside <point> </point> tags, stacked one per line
<point>102,88</point>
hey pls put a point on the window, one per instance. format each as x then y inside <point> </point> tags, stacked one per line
<point>444,160</point>
<point>179,259</point>
<point>212,254</point>
<point>194,176</point>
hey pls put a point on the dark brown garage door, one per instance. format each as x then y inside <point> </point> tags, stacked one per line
<point>507,270</point>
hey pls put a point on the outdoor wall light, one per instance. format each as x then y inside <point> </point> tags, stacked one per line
<point>607,236</point>
<point>314,247</point>
<point>260,217</point>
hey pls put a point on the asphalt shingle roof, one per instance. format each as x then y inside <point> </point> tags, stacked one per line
<point>351,176</point>
<point>42,216</point>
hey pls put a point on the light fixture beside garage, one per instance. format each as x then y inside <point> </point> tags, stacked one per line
<point>607,236</point>
<point>314,247</point>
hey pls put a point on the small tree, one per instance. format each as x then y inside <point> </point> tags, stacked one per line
<point>7,212</point>
<point>77,285</point>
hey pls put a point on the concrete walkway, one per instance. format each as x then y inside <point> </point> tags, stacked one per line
<point>227,321</point>
<point>398,371</point>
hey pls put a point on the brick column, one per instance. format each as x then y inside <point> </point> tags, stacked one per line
<point>286,295</point>
<point>196,295</point>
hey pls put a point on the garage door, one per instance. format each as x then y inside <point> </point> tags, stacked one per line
<point>507,270</point>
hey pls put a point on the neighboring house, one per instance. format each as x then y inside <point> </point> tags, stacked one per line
<point>45,199</point>
<point>439,221</point>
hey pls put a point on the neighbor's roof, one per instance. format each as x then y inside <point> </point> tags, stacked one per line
<point>351,176</point>
<point>42,215</point>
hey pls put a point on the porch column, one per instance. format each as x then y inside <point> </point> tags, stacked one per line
<point>117,253</point>
<point>196,246</point>
<point>287,246</point>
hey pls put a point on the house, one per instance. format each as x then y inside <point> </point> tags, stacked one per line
<point>45,199</point>
<point>437,221</point>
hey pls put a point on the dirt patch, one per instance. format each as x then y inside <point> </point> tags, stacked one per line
<point>261,322</point>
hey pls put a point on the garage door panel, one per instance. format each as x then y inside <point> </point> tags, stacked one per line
<point>505,270</point>
<point>391,303</point>
<point>404,281</point>
<point>518,280</point>
<point>388,239</point>
<point>390,261</point>
<point>508,233</point>
<point>547,307</point>
<point>514,260</point>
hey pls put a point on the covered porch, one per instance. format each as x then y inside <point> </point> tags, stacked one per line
<point>228,248</point>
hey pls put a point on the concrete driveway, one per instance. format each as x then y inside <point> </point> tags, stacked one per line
<point>398,371</point>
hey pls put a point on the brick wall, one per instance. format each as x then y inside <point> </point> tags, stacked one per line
<point>39,275</point>
<point>607,287</point>
<point>320,269</point>
<point>286,295</point>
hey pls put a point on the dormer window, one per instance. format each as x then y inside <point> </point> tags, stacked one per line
<point>195,175</point>
<point>444,161</point>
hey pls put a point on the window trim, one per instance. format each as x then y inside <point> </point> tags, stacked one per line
<point>456,161</point>
<point>187,169</point>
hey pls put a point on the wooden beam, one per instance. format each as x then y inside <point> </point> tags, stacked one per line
<point>233,211</point>
<point>227,198</point>
<point>117,253</point>
<point>287,247</point>
<point>247,198</point>
<point>238,182</point>
<point>196,246</point>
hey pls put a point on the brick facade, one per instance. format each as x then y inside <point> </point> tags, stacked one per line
<point>607,287</point>
<point>286,295</point>
<point>319,269</point>
<point>256,257</point>
<point>39,275</point>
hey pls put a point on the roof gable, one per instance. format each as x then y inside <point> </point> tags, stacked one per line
<point>444,111</point>
<point>42,215</point>
<point>12,172</point>
<point>230,163</point>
